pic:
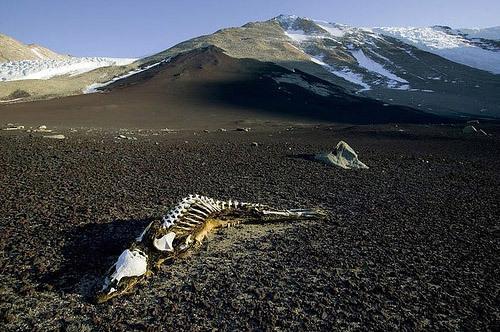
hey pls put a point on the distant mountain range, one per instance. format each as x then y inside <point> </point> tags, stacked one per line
<point>437,70</point>
<point>13,50</point>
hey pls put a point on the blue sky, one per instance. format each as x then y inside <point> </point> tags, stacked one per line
<point>136,28</point>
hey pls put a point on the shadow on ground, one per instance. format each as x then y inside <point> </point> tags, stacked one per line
<point>90,251</point>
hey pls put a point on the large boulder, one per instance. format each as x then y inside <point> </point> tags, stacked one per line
<point>343,156</point>
<point>469,130</point>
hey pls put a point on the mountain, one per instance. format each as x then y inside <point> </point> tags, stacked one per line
<point>13,50</point>
<point>207,88</point>
<point>437,70</point>
<point>371,62</point>
<point>32,72</point>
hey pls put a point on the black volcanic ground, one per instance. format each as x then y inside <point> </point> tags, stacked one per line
<point>411,244</point>
<point>205,88</point>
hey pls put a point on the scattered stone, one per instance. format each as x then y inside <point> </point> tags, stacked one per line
<point>242,129</point>
<point>58,136</point>
<point>473,122</point>
<point>127,137</point>
<point>12,127</point>
<point>167,130</point>
<point>343,156</point>
<point>222,129</point>
<point>42,127</point>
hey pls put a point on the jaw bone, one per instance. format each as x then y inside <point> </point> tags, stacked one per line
<point>182,228</point>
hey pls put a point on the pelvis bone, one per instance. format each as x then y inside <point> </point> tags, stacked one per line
<point>182,228</point>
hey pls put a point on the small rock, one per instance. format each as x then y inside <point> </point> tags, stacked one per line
<point>255,144</point>
<point>242,129</point>
<point>473,122</point>
<point>12,127</point>
<point>222,129</point>
<point>59,136</point>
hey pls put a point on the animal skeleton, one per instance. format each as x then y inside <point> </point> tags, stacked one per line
<point>182,228</point>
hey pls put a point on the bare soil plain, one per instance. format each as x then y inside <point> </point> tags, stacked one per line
<point>411,243</point>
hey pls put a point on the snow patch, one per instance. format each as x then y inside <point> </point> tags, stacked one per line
<point>93,88</point>
<point>344,73</point>
<point>373,66</point>
<point>332,29</point>
<point>297,35</point>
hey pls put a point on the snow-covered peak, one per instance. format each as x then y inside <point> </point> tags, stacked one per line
<point>310,27</point>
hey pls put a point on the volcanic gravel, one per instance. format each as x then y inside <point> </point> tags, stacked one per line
<point>410,244</point>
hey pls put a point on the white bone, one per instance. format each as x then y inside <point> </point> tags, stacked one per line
<point>165,242</point>
<point>168,221</point>
<point>203,213</point>
<point>196,222</point>
<point>131,263</point>
<point>139,238</point>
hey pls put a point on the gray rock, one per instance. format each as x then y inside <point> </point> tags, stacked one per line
<point>343,156</point>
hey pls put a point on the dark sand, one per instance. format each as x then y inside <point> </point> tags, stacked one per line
<point>412,243</point>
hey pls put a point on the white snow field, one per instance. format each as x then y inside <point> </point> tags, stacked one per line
<point>45,69</point>
<point>449,46</point>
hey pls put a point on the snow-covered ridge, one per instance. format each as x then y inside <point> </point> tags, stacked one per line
<point>45,69</point>
<point>463,46</point>
<point>486,33</point>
